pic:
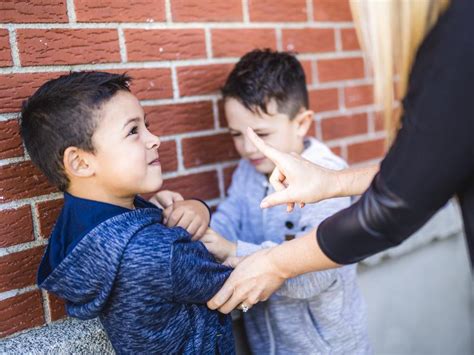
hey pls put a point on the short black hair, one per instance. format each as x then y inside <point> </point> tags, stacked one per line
<point>62,113</point>
<point>262,75</point>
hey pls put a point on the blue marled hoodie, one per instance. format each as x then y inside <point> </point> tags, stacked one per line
<point>147,283</point>
<point>316,313</point>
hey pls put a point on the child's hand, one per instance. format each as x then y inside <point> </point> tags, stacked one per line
<point>165,198</point>
<point>191,215</point>
<point>217,245</point>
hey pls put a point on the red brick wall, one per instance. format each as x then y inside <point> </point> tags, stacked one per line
<point>179,52</point>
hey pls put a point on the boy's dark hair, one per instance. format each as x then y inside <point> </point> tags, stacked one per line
<point>263,75</point>
<point>62,113</point>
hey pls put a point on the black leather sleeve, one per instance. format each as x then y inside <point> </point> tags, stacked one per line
<point>377,221</point>
<point>432,158</point>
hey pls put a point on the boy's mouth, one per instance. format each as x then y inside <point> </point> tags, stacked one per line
<point>155,162</point>
<point>256,162</point>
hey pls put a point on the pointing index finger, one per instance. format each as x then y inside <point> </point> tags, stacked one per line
<point>270,152</point>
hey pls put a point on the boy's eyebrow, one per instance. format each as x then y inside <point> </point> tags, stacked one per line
<point>256,130</point>
<point>133,119</point>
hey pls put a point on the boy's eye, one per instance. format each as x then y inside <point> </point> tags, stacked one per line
<point>134,130</point>
<point>235,134</point>
<point>263,134</point>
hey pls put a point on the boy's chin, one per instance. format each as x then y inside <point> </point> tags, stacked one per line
<point>265,168</point>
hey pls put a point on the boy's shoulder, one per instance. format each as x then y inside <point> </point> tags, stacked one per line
<point>319,153</point>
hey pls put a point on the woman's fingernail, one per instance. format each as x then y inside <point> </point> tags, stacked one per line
<point>264,204</point>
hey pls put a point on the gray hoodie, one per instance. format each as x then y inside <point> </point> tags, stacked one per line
<point>315,313</point>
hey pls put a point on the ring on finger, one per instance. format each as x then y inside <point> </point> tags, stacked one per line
<point>243,307</point>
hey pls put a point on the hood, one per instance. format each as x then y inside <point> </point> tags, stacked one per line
<point>86,276</point>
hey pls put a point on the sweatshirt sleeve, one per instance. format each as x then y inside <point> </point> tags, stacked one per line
<point>228,217</point>
<point>196,276</point>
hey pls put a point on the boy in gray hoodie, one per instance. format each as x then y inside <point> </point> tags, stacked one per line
<point>316,313</point>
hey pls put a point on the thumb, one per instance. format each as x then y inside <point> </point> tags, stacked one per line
<point>177,197</point>
<point>276,198</point>
<point>232,261</point>
<point>167,213</point>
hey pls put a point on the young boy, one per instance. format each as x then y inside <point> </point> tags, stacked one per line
<point>316,313</point>
<point>109,255</point>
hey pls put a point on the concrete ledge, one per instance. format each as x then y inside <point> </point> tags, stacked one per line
<point>65,337</point>
<point>72,336</point>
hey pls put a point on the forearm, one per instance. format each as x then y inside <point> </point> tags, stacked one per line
<point>354,181</point>
<point>310,256</point>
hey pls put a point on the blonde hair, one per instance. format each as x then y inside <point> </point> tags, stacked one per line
<point>390,32</point>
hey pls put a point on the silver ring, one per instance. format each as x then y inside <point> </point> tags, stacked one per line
<point>244,308</point>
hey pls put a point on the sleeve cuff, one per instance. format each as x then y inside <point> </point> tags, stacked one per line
<point>244,248</point>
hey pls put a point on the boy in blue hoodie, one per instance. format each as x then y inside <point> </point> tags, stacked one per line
<point>109,255</point>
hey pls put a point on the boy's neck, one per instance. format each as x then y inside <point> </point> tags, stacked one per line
<point>102,196</point>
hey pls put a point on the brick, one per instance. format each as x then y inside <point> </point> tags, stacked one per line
<point>48,212</point>
<point>332,10</point>
<point>57,307</point>
<point>340,69</point>
<point>349,39</point>
<point>150,84</point>
<point>22,180</point>
<point>120,10</point>
<point>228,176</point>
<point>18,270</point>
<point>360,95</point>
<point>21,312</point>
<point>14,88</point>
<point>180,118</point>
<point>203,185</point>
<point>359,152</point>
<point>143,45</point>
<point>336,150</point>
<point>308,71</point>
<point>202,79</point>
<point>206,11</point>
<point>16,226</point>
<point>309,40</point>
<point>10,140</point>
<point>344,126</point>
<point>277,11</point>
<point>33,11</point>
<point>168,156</point>
<point>321,100</point>
<point>66,46</point>
<point>221,113</point>
<point>379,123</point>
<point>5,52</point>
<point>235,43</point>
<point>206,150</point>
<point>312,130</point>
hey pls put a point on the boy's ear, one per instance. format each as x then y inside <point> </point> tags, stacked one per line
<point>77,162</point>
<point>303,120</point>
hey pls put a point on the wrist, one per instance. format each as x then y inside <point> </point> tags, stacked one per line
<point>232,249</point>
<point>276,263</point>
<point>206,206</point>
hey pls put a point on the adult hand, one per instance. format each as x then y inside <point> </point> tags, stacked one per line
<point>254,279</point>
<point>295,179</point>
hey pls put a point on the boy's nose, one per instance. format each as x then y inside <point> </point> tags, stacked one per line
<point>153,141</point>
<point>248,146</point>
